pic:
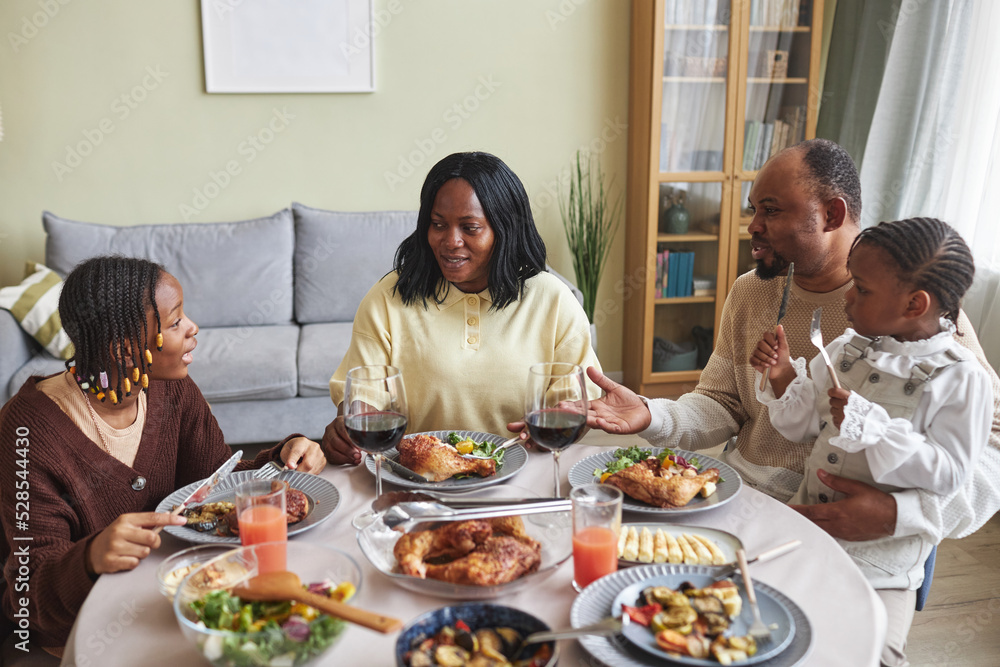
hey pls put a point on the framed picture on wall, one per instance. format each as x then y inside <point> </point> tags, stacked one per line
<point>275,46</point>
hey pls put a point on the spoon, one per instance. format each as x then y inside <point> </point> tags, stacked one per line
<point>284,585</point>
<point>607,626</point>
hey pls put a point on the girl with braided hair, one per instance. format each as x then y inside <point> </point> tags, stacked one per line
<point>913,409</point>
<point>109,438</point>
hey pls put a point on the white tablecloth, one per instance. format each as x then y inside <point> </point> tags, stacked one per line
<point>125,621</point>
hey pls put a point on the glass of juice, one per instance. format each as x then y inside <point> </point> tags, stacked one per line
<point>597,519</point>
<point>260,511</point>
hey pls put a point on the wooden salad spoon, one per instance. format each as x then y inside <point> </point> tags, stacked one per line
<point>286,585</point>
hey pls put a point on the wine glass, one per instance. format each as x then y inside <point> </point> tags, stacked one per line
<point>555,408</point>
<point>375,411</point>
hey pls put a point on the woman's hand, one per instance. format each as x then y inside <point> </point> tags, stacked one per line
<point>620,411</point>
<point>304,455</point>
<point>337,444</point>
<point>127,541</point>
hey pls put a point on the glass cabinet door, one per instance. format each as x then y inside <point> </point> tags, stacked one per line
<point>696,40</point>
<point>778,53</point>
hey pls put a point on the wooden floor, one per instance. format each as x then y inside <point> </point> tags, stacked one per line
<point>961,623</point>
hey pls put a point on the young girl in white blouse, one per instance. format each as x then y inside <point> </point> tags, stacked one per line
<point>914,407</point>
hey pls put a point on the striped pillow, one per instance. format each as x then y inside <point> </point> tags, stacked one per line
<point>35,305</point>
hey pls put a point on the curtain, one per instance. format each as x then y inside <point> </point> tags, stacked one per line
<point>913,136</point>
<point>859,49</point>
<point>914,96</point>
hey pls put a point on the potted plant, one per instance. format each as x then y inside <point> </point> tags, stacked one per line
<point>590,220</point>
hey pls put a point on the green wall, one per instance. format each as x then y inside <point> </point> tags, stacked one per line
<point>124,82</point>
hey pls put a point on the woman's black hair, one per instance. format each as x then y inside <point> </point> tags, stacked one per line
<point>103,307</point>
<point>929,254</point>
<point>518,249</point>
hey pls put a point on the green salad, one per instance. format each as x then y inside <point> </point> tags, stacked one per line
<point>627,457</point>
<point>267,634</point>
<point>470,446</point>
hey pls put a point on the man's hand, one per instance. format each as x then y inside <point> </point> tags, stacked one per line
<point>620,411</point>
<point>337,444</point>
<point>865,514</point>
<point>127,541</point>
<point>304,455</point>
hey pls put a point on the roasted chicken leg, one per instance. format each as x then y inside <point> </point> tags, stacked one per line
<point>483,552</point>
<point>642,482</point>
<point>428,456</point>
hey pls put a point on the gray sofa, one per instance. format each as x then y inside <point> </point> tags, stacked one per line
<point>274,297</point>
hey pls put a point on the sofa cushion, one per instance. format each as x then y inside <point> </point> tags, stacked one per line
<point>339,256</point>
<point>245,363</point>
<point>35,305</point>
<point>233,273</point>
<point>321,349</point>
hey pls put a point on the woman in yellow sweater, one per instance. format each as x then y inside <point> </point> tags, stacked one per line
<point>467,308</point>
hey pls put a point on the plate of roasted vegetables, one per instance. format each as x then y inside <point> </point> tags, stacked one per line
<point>310,500</point>
<point>439,457</point>
<point>660,481</point>
<point>680,616</point>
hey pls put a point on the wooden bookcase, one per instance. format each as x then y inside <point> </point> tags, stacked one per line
<point>714,89</point>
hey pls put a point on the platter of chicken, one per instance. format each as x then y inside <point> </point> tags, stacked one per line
<point>452,460</point>
<point>309,500</point>
<point>475,559</point>
<point>660,481</point>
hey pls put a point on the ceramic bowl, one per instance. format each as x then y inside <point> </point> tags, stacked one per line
<point>477,616</point>
<point>290,644</point>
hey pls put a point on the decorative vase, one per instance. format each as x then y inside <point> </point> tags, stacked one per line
<point>677,218</point>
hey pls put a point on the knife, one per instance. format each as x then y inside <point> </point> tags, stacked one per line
<point>781,314</point>
<point>403,471</point>
<point>205,488</point>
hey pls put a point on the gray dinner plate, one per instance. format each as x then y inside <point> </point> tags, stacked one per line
<point>583,473</point>
<point>514,459</point>
<point>323,500</point>
<point>599,600</point>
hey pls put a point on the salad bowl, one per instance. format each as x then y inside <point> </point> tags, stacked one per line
<point>276,633</point>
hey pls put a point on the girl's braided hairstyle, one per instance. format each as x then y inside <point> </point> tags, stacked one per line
<point>929,254</point>
<point>103,307</point>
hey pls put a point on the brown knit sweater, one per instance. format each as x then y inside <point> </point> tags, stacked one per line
<point>75,490</point>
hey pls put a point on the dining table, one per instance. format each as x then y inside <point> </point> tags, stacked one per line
<point>126,621</point>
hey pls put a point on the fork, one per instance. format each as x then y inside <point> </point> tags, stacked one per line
<point>758,630</point>
<point>503,445</point>
<point>270,470</point>
<point>816,336</point>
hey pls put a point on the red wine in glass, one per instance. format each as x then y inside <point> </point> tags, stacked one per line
<point>375,411</point>
<point>376,432</point>
<point>555,429</point>
<point>555,409</point>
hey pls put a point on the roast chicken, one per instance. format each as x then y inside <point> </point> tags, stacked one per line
<point>426,455</point>
<point>482,552</point>
<point>649,482</point>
